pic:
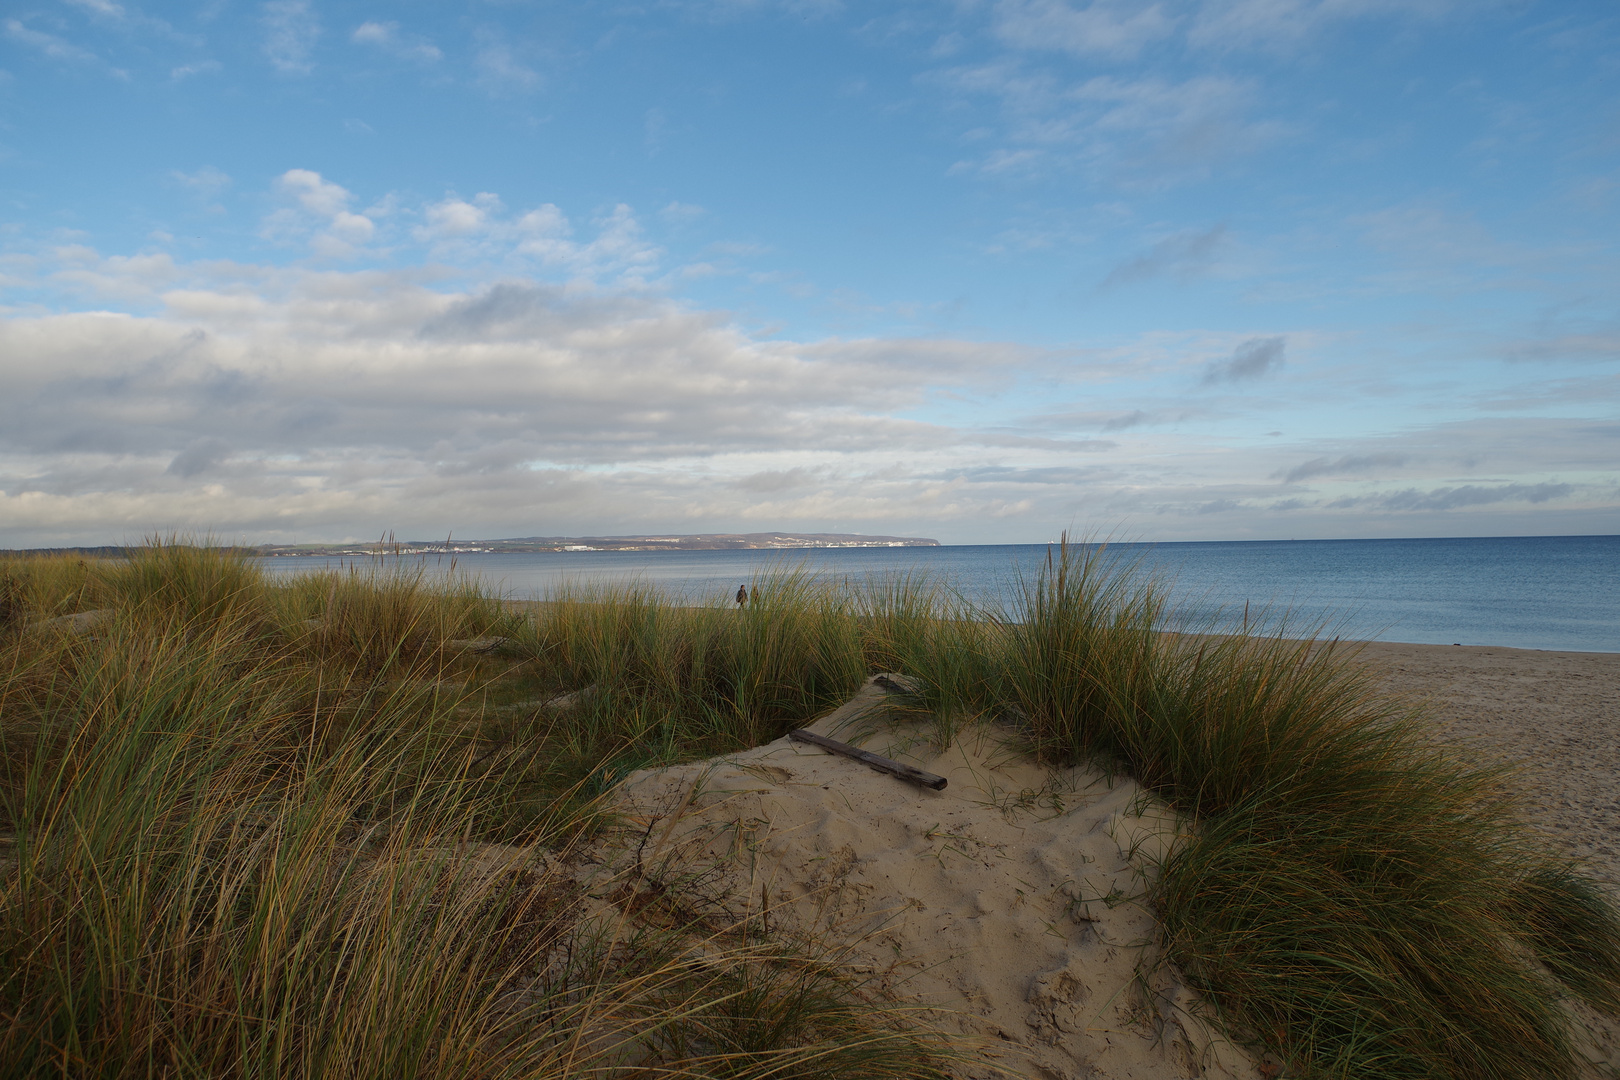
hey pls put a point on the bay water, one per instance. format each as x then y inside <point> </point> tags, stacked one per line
<point>1542,592</point>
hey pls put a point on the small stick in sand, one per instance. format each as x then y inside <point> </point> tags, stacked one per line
<point>881,764</point>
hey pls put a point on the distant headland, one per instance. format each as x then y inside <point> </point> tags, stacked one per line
<point>518,545</point>
<point>642,542</point>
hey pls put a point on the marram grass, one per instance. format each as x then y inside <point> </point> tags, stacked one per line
<point>233,843</point>
<point>255,829</point>
<point>1349,897</point>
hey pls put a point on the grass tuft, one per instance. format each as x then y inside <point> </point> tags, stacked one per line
<point>1574,929</point>
<point>1348,896</point>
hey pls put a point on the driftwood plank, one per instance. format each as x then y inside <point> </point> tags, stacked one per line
<point>881,764</point>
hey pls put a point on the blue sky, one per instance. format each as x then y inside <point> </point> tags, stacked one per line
<point>1186,269</point>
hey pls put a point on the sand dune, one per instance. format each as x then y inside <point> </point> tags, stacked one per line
<point>1011,901</point>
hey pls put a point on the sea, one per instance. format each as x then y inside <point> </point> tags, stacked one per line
<point>1541,592</point>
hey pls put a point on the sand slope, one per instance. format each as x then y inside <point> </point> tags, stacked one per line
<point>1011,900</point>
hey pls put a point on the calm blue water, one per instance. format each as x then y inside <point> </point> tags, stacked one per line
<point>1544,592</point>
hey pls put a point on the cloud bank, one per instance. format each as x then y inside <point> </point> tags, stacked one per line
<point>281,401</point>
<point>291,403</point>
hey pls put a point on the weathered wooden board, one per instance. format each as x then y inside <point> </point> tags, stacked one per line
<point>866,757</point>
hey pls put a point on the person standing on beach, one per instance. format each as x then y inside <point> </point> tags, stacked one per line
<point>742,595</point>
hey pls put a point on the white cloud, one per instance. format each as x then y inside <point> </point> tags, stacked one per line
<point>1138,124</point>
<point>1266,23</point>
<point>455,226</point>
<point>206,183</point>
<point>290,32</point>
<point>1122,29</point>
<point>124,278</point>
<point>387,37</point>
<point>455,218</point>
<point>1146,131</point>
<point>679,213</point>
<point>352,228</point>
<point>1286,24</point>
<point>1098,28</point>
<point>320,215</point>
<point>374,33</point>
<point>49,44</point>
<point>202,67</point>
<point>501,71</point>
<point>318,196</point>
<point>619,244</point>
<point>104,8</point>
<point>544,221</point>
<point>318,212</point>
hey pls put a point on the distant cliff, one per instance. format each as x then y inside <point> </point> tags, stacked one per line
<point>643,542</point>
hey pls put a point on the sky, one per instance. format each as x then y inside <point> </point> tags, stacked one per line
<point>306,271</point>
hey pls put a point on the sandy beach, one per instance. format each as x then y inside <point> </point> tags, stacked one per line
<point>1555,716</point>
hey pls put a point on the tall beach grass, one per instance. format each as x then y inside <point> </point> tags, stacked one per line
<point>241,835</point>
<point>302,827</point>
<point>1349,896</point>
